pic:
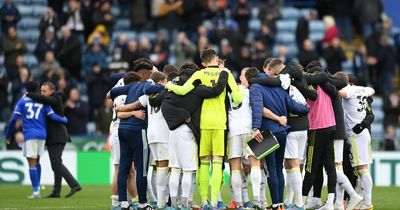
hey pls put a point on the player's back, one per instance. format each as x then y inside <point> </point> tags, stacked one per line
<point>33,118</point>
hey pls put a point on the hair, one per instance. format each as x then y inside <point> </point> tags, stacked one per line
<point>50,85</point>
<point>158,76</point>
<point>251,73</point>
<point>328,21</point>
<point>207,55</point>
<point>313,64</point>
<point>172,75</point>
<point>32,87</point>
<point>275,62</point>
<point>169,68</point>
<point>131,77</point>
<point>267,62</point>
<point>342,76</point>
<point>191,66</point>
<point>142,64</point>
<point>352,79</point>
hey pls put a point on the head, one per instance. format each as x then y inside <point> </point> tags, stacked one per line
<point>352,79</point>
<point>313,14</point>
<point>313,65</point>
<point>191,66</point>
<point>181,37</point>
<point>170,69</point>
<point>242,77</point>
<point>251,72</point>
<point>276,66</point>
<point>32,87</point>
<point>122,39</point>
<point>145,44</point>
<point>49,12</point>
<point>132,46</point>
<point>49,34</point>
<point>245,52</point>
<point>225,47</point>
<point>335,43</point>
<point>307,45</point>
<point>12,32</point>
<point>282,50</point>
<point>105,5</point>
<point>185,72</point>
<point>158,77</point>
<point>66,33</point>
<point>19,61</point>
<point>329,21</point>
<point>202,43</point>
<point>74,95</point>
<point>209,57</point>
<point>266,64</point>
<point>143,67</point>
<point>363,49</point>
<point>342,76</point>
<point>23,74</point>
<point>131,77</point>
<point>49,56</point>
<point>47,88</point>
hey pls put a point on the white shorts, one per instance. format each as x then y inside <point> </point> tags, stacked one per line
<point>183,149</point>
<point>296,142</point>
<point>114,147</point>
<point>33,148</point>
<point>338,150</point>
<point>237,146</point>
<point>361,148</point>
<point>159,151</point>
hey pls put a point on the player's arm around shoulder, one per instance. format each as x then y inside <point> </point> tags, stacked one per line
<point>237,93</point>
<point>185,88</point>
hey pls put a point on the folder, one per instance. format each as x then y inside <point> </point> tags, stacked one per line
<point>264,148</point>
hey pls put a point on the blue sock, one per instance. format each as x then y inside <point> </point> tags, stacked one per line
<point>39,170</point>
<point>33,173</point>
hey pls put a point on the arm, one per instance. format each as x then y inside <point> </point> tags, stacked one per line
<point>117,91</point>
<point>47,100</point>
<point>369,118</point>
<point>140,114</point>
<point>316,78</point>
<point>129,107</point>
<point>308,92</point>
<point>116,76</point>
<point>282,120</point>
<point>257,105</point>
<point>338,83</point>
<point>11,125</point>
<point>295,107</point>
<point>55,117</point>
<point>151,88</point>
<point>185,88</point>
<point>267,81</point>
<point>329,89</point>
<point>156,100</point>
<point>237,93</point>
<point>209,92</point>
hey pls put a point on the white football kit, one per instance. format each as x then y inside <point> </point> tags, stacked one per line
<point>113,138</point>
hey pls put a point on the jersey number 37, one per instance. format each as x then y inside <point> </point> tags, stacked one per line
<point>33,110</point>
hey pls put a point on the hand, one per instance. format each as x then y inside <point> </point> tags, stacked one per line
<point>119,108</point>
<point>18,46</point>
<point>140,114</point>
<point>257,135</point>
<point>282,120</point>
<point>8,141</point>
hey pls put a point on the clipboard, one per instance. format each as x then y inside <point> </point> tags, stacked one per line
<point>264,148</point>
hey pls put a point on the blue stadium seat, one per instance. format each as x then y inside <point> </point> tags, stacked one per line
<point>129,34</point>
<point>378,114</point>
<point>304,12</point>
<point>122,24</point>
<point>286,25</point>
<point>148,34</point>
<point>347,66</point>
<point>31,61</point>
<point>19,2</point>
<point>285,38</point>
<point>39,10</point>
<point>378,103</point>
<point>115,11</point>
<point>30,35</point>
<point>255,12</point>
<point>255,24</point>
<point>316,36</point>
<point>25,11</point>
<point>316,26</point>
<point>291,50</point>
<point>31,46</point>
<point>28,23</point>
<point>290,13</point>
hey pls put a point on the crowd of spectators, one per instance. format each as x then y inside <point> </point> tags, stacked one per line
<point>78,48</point>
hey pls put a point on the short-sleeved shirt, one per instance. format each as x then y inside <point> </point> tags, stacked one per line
<point>119,100</point>
<point>240,116</point>
<point>157,128</point>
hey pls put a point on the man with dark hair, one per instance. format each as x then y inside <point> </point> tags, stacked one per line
<point>170,69</point>
<point>57,137</point>
<point>33,116</point>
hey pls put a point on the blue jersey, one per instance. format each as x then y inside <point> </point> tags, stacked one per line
<point>33,116</point>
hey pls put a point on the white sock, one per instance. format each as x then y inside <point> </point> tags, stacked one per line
<point>339,194</point>
<point>154,183</point>
<point>124,204</point>
<point>297,186</point>
<point>150,192</point>
<point>366,185</point>
<point>344,182</point>
<point>263,186</point>
<point>114,200</point>
<point>311,194</point>
<point>193,188</point>
<point>174,182</point>
<point>331,198</point>
<point>186,183</point>
<point>236,184</point>
<point>245,193</point>
<point>219,197</point>
<point>162,185</point>
<point>255,177</point>
<point>289,188</point>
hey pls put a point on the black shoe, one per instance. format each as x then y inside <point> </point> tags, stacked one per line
<point>73,191</point>
<point>53,195</point>
<point>148,207</point>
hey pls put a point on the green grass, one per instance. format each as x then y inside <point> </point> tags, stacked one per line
<point>98,197</point>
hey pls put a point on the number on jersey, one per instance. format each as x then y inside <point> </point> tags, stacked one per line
<point>33,110</point>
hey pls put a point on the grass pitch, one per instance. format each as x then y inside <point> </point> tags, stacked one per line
<point>13,197</point>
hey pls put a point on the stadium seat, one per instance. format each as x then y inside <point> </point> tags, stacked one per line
<point>130,35</point>
<point>316,36</point>
<point>255,12</point>
<point>122,24</point>
<point>378,113</point>
<point>286,25</point>
<point>31,61</point>
<point>304,12</point>
<point>316,26</point>
<point>25,10</point>
<point>39,10</point>
<point>28,23</point>
<point>347,66</point>
<point>290,13</point>
<point>115,11</point>
<point>147,34</point>
<point>378,102</point>
<point>30,35</point>
<point>285,38</point>
<point>255,24</point>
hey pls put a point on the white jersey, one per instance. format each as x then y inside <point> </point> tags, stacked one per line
<point>240,119</point>
<point>157,128</point>
<point>296,95</point>
<point>354,105</point>
<point>119,100</point>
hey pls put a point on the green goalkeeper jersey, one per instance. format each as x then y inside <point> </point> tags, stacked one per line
<point>213,112</point>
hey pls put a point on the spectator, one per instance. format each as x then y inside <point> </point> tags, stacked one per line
<point>117,61</point>
<point>103,16</point>
<point>169,15</point>
<point>57,6</point>
<point>95,55</point>
<point>267,37</point>
<point>132,53</point>
<point>215,12</point>
<point>226,54</point>
<point>386,65</point>
<point>307,54</point>
<point>159,56</point>
<point>145,47</point>
<point>184,49</point>
<point>260,53</point>
<point>282,54</point>
<point>77,112</point>
<point>49,62</point>
<point>373,49</point>
<point>47,42</point>
<point>49,20</point>
<point>360,66</point>
<point>368,13</point>
<point>342,11</point>
<point>9,15</point>
<point>70,53</point>
<point>241,13</point>
<point>13,46</point>
<point>391,110</point>
<point>17,137</point>
<point>138,15</point>
<point>104,117</point>
<point>99,36</point>
<point>245,59</point>
<point>4,105</point>
<point>87,9</point>
<point>269,13</point>
<point>97,83</point>
<point>74,19</point>
<point>331,31</point>
<point>302,28</point>
<point>65,83</point>
<point>18,85</point>
<point>334,56</point>
<point>49,75</point>
<point>193,16</point>
<point>202,44</point>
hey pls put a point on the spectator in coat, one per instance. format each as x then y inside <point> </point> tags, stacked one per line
<point>49,20</point>
<point>307,54</point>
<point>87,10</point>
<point>77,112</point>
<point>57,6</point>
<point>13,46</point>
<point>342,12</point>
<point>331,31</point>
<point>18,86</point>
<point>241,13</point>
<point>334,56</point>
<point>103,16</point>
<point>103,117</point>
<point>9,16</point>
<point>74,19</point>
<point>4,104</point>
<point>138,14</point>
<point>360,66</point>
<point>386,65</point>
<point>184,49</point>
<point>49,62</point>
<point>131,53</point>
<point>99,36</point>
<point>193,15</point>
<point>368,13</point>
<point>69,54</point>
<point>169,15</point>
<point>302,28</point>
<point>47,42</point>
<point>98,85</point>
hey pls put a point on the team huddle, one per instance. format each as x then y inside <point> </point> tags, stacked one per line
<point>183,125</point>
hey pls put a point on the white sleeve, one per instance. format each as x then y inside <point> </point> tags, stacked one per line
<point>369,91</point>
<point>144,100</point>
<point>349,90</point>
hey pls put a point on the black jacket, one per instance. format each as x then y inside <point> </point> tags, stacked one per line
<point>176,109</point>
<point>56,132</point>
